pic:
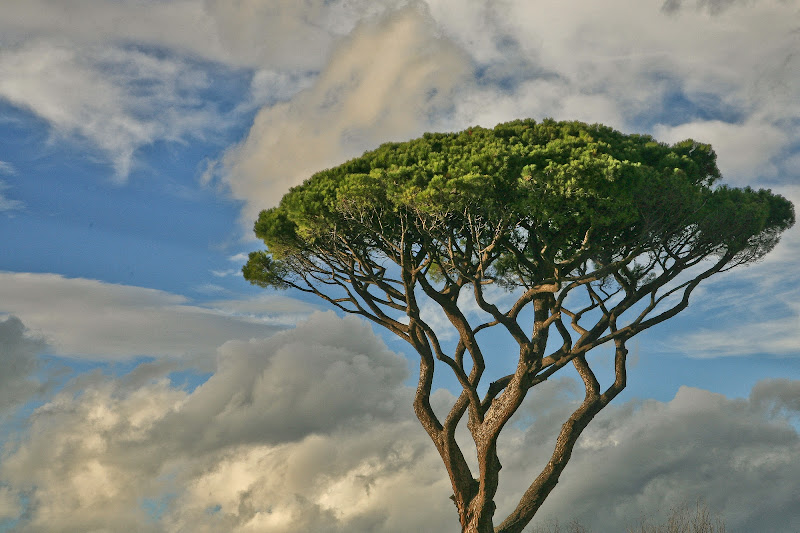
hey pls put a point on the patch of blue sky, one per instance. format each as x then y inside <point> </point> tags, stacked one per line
<point>508,73</point>
<point>211,510</point>
<point>188,379</point>
<point>159,230</point>
<point>156,507</point>
<point>678,107</point>
<point>59,371</point>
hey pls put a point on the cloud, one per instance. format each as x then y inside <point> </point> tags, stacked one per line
<point>7,168</point>
<point>536,60</point>
<point>306,380</point>
<point>120,77</point>
<point>730,78</point>
<point>18,352</point>
<point>749,315</point>
<point>734,453</point>
<point>249,33</point>
<point>389,79</point>
<point>727,68</point>
<point>102,321</point>
<point>745,152</point>
<point>777,396</point>
<point>118,99</point>
<point>312,430</point>
<point>713,6</point>
<point>6,204</point>
<point>749,311</point>
<point>308,430</point>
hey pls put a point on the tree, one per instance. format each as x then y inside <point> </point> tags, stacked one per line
<point>598,236</point>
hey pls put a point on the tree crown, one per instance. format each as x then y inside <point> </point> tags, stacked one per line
<point>558,193</point>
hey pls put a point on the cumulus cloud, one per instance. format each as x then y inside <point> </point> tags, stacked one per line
<point>309,379</point>
<point>102,321</point>
<point>308,430</point>
<point>651,457</point>
<point>389,79</point>
<point>312,430</point>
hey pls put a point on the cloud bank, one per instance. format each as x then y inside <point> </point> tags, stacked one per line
<point>312,430</point>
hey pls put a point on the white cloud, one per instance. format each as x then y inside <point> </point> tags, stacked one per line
<point>533,59</point>
<point>745,152</point>
<point>727,75</point>
<point>10,507</point>
<point>539,59</point>
<point>248,33</point>
<point>742,316</point>
<point>91,319</point>
<point>776,336</point>
<point>311,379</point>
<point>122,76</point>
<point>119,99</point>
<point>7,204</point>
<point>389,79</point>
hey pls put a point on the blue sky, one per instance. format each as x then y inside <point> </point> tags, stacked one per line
<point>139,140</point>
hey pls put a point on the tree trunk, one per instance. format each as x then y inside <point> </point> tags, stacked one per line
<point>478,518</point>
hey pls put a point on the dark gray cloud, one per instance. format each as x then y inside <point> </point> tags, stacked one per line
<point>307,380</point>
<point>18,361</point>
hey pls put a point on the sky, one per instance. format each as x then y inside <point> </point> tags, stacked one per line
<point>145,386</point>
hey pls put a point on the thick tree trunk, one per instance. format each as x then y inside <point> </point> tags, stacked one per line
<point>478,525</point>
<point>476,517</point>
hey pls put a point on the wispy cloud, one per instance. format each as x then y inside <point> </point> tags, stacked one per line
<point>751,310</point>
<point>7,204</point>
<point>7,168</point>
<point>118,99</point>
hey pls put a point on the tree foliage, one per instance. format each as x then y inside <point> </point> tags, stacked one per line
<point>625,226</point>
